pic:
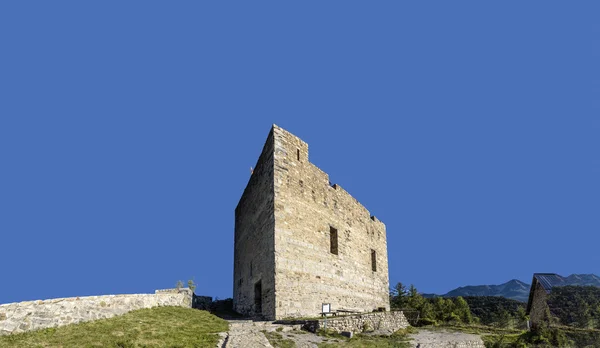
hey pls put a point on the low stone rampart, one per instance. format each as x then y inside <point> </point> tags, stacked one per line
<point>380,322</point>
<point>35,315</point>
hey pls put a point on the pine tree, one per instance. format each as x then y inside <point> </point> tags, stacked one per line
<point>399,296</point>
<point>415,300</point>
<point>461,308</point>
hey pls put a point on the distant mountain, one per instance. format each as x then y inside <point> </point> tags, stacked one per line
<point>582,279</point>
<point>430,295</point>
<point>514,289</point>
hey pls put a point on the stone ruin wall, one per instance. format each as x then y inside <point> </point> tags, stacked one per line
<point>537,313</point>
<point>379,322</point>
<point>254,249</point>
<point>35,315</point>
<point>307,274</point>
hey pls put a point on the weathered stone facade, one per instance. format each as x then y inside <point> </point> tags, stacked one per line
<point>301,242</point>
<point>538,309</point>
<point>34,315</point>
<point>254,251</point>
<point>379,322</point>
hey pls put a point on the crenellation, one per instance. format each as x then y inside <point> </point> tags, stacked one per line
<point>316,246</point>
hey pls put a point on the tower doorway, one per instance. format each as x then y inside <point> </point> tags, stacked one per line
<point>258,298</point>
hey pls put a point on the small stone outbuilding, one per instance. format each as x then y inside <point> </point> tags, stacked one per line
<point>542,309</point>
<point>537,305</point>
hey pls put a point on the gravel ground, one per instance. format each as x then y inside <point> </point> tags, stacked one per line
<point>445,339</point>
<point>249,334</point>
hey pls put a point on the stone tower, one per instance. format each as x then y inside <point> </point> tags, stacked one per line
<point>301,242</point>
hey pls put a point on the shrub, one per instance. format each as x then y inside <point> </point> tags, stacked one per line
<point>191,284</point>
<point>426,322</point>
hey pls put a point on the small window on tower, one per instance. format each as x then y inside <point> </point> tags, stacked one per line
<point>333,240</point>
<point>373,260</point>
<point>298,154</point>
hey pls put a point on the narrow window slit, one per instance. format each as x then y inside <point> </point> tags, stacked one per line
<point>333,240</point>
<point>373,260</point>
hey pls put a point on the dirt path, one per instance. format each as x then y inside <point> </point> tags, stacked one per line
<point>244,333</point>
<point>249,334</point>
<point>445,339</point>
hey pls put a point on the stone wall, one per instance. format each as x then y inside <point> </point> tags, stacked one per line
<point>537,313</point>
<point>380,322</point>
<point>254,255</point>
<point>202,302</point>
<point>34,315</point>
<point>308,210</point>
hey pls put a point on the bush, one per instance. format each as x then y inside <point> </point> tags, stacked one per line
<point>453,318</point>
<point>426,322</point>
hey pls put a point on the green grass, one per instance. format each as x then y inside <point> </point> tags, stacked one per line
<point>555,337</point>
<point>398,340</point>
<point>277,340</point>
<point>174,327</point>
<point>475,329</point>
<point>501,340</point>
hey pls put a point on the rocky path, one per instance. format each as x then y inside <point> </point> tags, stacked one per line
<point>244,333</point>
<point>445,339</point>
<point>250,334</point>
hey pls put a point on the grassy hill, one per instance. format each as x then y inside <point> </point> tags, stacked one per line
<point>155,327</point>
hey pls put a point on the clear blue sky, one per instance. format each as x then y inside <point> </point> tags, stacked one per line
<point>128,129</point>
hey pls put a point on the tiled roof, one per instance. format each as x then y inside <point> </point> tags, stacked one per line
<point>549,280</point>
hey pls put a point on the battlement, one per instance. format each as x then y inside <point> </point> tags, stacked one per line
<point>285,142</point>
<point>301,241</point>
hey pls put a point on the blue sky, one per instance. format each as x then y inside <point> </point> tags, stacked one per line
<point>128,129</point>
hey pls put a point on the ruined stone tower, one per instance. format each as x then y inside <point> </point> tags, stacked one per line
<point>301,242</point>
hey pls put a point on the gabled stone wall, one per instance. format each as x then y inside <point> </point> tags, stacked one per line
<point>35,315</point>
<point>539,306</point>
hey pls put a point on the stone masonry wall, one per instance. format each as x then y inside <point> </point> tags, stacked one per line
<point>537,314</point>
<point>307,272</point>
<point>253,242</point>
<point>381,322</point>
<point>34,315</point>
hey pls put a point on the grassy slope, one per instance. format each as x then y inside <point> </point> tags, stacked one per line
<point>154,327</point>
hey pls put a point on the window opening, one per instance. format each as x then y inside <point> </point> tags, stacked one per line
<point>333,240</point>
<point>373,260</point>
